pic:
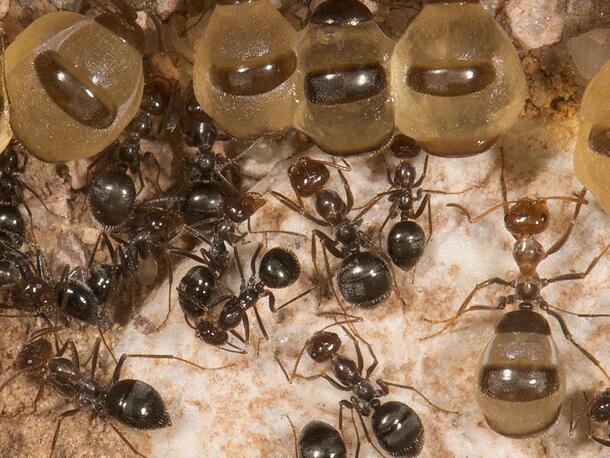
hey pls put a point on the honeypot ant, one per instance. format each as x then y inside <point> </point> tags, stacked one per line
<point>131,402</point>
<point>527,369</point>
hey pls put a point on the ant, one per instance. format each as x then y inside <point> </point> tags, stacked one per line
<point>364,279</point>
<point>318,439</point>
<point>131,402</point>
<point>598,410</point>
<point>396,426</point>
<point>125,155</point>
<point>524,219</point>
<point>279,268</point>
<point>406,240</point>
<point>12,224</point>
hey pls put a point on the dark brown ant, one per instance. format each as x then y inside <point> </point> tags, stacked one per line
<point>318,439</point>
<point>364,279</point>
<point>406,240</point>
<point>12,224</point>
<point>131,402</point>
<point>396,426</point>
<point>309,176</point>
<point>598,410</point>
<point>279,268</point>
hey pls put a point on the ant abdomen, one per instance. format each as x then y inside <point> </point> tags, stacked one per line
<point>364,279</point>
<point>520,384</point>
<point>195,290</point>
<point>137,404</point>
<point>70,97</point>
<point>320,440</point>
<point>398,429</point>
<point>406,244</point>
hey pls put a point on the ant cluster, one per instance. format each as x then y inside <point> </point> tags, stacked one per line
<point>348,88</point>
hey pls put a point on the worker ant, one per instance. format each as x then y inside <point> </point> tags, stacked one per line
<point>130,402</point>
<point>398,429</point>
<point>278,268</point>
<point>597,409</point>
<point>364,278</point>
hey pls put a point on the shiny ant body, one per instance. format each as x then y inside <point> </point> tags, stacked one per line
<point>12,224</point>
<point>364,278</point>
<point>279,268</point>
<point>398,429</point>
<point>130,402</point>
<point>598,410</point>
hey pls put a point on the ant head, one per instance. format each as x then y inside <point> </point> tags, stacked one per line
<point>308,176</point>
<point>405,174</point>
<point>527,217</point>
<point>34,356</point>
<point>211,333</point>
<point>404,147</point>
<point>330,206</point>
<point>279,268</point>
<point>600,407</point>
<point>9,161</point>
<point>240,207</point>
<point>323,345</point>
<point>156,97</point>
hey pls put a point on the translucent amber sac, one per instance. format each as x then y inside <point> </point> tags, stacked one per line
<point>5,128</point>
<point>74,85</point>
<point>520,385</point>
<point>457,81</point>
<point>244,69</point>
<point>592,157</point>
<point>343,97</point>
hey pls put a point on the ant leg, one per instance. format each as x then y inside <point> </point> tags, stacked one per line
<point>240,269</point>
<point>392,213</point>
<point>260,323</point>
<point>124,439</point>
<point>94,356</point>
<point>604,442</point>
<point>503,182</point>
<point>254,258</point>
<point>568,335</point>
<point>358,443</point>
<point>349,196</point>
<point>117,370</point>
<point>335,383</point>
<point>422,177</point>
<point>580,315</point>
<point>579,275</point>
<point>284,371</point>
<point>566,235</point>
<point>148,156</point>
<point>422,207</point>
<point>385,384</point>
<point>367,435</point>
<point>450,321</point>
<point>294,299</point>
<point>72,346</point>
<point>294,207</point>
<point>294,436</point>
<point>246,324</point>
<point>62,416</point>
<point>37,399</point>
<point>372,202</point>
<point>170,276</point>
<point>360,360</point>
<point>108,347</point>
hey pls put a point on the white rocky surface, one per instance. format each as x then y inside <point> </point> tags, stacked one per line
<point>535,23</point>
<point>241,411</point>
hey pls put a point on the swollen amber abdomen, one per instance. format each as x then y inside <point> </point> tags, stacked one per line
<point>457,80</point>
<point>343,93</point>
<point>520,385</point>
<point>244,69</point>
<point>74,85</point>
<point>592,156</point>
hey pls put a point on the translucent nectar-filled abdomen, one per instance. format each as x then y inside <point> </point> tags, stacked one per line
<point>74,85</point>
<point>520,385</point>
<point>457,80</point>
<point>5,128</point>
<point>343,96</point>
<point>592,156</point>
<point>244,69</point>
